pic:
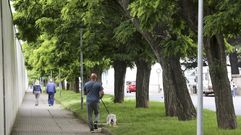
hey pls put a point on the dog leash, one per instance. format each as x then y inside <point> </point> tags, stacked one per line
<point>105,106</point>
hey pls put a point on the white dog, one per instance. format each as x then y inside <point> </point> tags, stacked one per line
<point>111,119</point>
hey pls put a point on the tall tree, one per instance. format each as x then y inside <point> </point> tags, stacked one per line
<point>142,54</point>
<point>152,21</point>
<point>107,16</point>
<point>221,19</point>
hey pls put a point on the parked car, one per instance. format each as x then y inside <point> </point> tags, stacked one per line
<point>131,86</point>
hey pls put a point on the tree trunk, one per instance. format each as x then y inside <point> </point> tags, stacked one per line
<point>234,62</point>
<point>73,85</point>
<point>142,83</point>
<point>177,99</point>
<point>98,70</point>
<point>119,80</point>
<point>215,51</point>
<point>76,85</point>
<point>63,85</point>
<point>68,85</point>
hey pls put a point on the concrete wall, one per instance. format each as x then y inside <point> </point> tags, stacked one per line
<point>12,71</point>
<point>1,76</point>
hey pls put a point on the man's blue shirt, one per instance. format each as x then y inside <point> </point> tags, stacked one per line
<point>92,88</point>
<point>51,87</point>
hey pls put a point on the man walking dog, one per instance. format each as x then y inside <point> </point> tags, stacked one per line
<point>94,92</point>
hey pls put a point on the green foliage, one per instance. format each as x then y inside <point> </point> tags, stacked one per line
<point>162,20</point>
<point>33,75</point>
<point>61,21</point>
<point>124,31</point>
<point>137,47</point>
<point>182,46</point>
<point>229,47</point>
<point>152,13</point>
<point>40,59</point>
<point>108,33</point>
<point>104,29</point>
<point>74,11</point>
<point>225,19</point>
<point>26,27</point>
<point>45,24</point>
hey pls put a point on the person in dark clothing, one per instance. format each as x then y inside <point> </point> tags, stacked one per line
<point>51,90</point>
<point>36,91</point>
<point>94,92</point>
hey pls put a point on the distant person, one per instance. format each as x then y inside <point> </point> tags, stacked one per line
<point>51,90</point>
<point>234,89</point>
<point>36,91</point>
<point>94,92</point>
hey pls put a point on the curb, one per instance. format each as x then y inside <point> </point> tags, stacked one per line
<point>106,131</point>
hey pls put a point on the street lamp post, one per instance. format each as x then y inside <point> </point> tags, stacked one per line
<point>158,71</point>
<point>200,70</point>
<point>81,70</point>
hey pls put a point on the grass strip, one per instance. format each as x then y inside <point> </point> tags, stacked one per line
<point>144,121</point>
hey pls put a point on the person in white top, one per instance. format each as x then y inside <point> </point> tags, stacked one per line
<point>234,89</point>
<point>36,91</point>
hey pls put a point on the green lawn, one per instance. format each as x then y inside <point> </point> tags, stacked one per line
<point>151,121</point>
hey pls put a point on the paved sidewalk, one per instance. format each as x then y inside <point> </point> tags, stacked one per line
<point>46,120</point>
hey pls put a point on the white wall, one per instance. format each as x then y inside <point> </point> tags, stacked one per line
<point>1,77</point>
<point>108,78</point>
<point>12,71</point>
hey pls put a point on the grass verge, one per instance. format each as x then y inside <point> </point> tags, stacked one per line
<point>151,121</point>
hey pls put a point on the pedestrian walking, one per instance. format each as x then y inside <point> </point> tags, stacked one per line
<point>234,89</point>
<point>36,91</point>
<point>94,92</point>
<point>51,90</point>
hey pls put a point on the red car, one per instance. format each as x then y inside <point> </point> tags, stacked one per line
<point>131,86</point>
